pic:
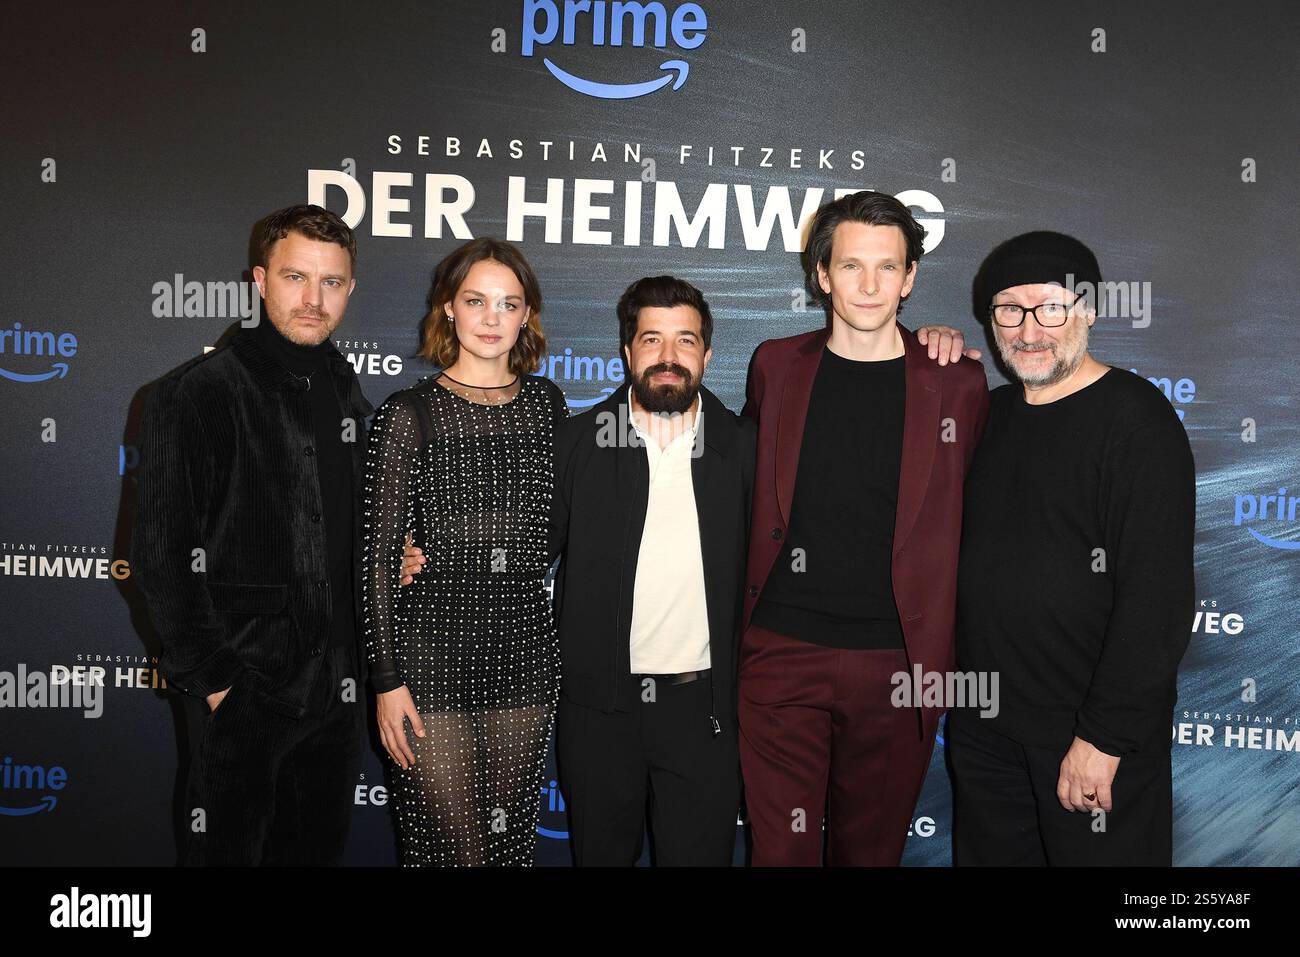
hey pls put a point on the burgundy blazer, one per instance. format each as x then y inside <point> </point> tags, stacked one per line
<point>949,401</point>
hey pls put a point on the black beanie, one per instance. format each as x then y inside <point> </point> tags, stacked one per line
<point>1029,258</point>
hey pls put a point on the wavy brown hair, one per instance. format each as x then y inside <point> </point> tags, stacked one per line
<point>438,342</point>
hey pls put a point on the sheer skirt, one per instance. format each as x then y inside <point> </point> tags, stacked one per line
<point>472,799</point>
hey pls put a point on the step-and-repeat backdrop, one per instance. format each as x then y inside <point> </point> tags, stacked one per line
<point>610,141</point>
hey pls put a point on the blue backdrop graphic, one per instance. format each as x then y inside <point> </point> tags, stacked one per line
<point>687,138</point>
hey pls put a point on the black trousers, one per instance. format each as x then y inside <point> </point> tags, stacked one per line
<point>663,754</point>
<point>268,789</point>
<point>1005,810</point>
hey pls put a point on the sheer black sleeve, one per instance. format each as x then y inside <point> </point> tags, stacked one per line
<point>388,514</point>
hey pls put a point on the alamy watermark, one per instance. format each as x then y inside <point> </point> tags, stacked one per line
<point>620,431</point>
<point>39,690</point>
<point>180,298</point>
<point>1114,300</point>
<point>946,689</point>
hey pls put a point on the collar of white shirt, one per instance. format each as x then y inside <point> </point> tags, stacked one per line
<point>691,432</point>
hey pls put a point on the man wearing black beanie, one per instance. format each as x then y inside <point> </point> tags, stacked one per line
<point>1075,584</point>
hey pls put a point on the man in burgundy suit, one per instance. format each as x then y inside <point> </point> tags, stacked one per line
<point>863,446</point>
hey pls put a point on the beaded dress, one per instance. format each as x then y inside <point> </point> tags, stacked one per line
<point>472,637</point>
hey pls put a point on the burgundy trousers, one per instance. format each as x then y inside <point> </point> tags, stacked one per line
<point>819,737</point>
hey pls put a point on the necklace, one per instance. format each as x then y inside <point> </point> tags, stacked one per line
<point>483,388</point>
<point>304,378</point>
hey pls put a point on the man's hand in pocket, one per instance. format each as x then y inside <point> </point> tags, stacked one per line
<point>216,698</point>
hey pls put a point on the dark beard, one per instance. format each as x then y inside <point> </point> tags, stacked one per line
<point>669,399</point>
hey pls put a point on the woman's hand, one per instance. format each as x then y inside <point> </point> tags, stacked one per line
<point>390,709</point>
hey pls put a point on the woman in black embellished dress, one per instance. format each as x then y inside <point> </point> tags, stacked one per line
<point>465,661</point>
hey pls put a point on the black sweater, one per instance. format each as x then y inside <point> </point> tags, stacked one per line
<point>837,588</point>
<point>1076,575</point>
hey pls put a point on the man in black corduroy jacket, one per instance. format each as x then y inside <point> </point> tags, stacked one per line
<point>246,545</point>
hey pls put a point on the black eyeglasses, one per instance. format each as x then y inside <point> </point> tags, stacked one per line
<point>1009,315</point>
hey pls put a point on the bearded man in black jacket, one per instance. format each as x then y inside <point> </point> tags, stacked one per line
<point>651,517</point>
